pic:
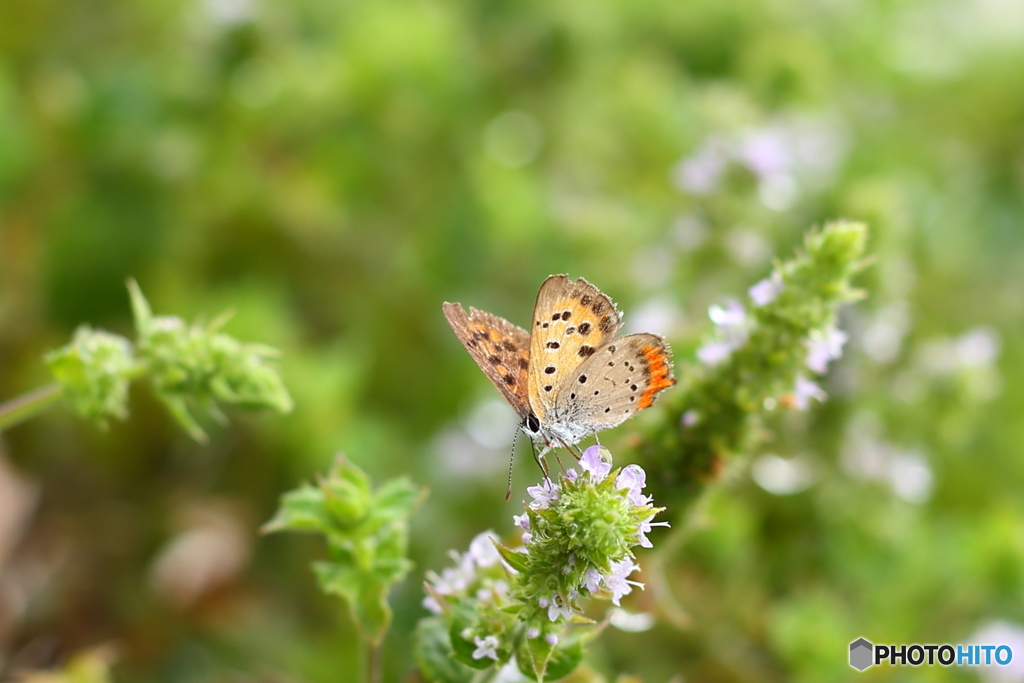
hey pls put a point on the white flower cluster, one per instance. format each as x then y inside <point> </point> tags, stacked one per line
<point>630,481</point>
<point>786,156</point>
<point>732,328</point>
<point>465,575</point>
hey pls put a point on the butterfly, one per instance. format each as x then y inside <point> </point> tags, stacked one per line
<point>569,377</point>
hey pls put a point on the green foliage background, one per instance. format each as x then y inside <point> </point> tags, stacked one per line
<point>333,171</point>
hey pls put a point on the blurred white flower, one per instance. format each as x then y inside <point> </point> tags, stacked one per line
<point>701,172</point>
<point>688,232</point>
<point>659,315</point>
<point>910,476</point>
<point>631,622</point>
<point>787,155</point>
<point>211,550</point>
<point>491,424</point>
<point>731,330</point>
<point>972,355</point>
<point>979,347</point>
<point>483,551</point>
<point>824,347</point>
<point>766,152</point>
<point>782,476</point>
<point>229,12</point>
<point>767,290</point>
<point>883,337</point>
<point>747,248</point>
<point>865,455</point>
<point>804,391</point>
<point>778,192</point>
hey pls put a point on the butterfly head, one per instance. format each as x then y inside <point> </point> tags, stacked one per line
<point>531,425</point>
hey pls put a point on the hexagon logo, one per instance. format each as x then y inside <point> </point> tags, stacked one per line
<point>861,652</point>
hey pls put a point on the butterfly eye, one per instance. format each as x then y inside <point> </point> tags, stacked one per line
<point>532,423</point>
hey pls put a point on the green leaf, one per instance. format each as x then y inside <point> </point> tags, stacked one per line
<point>178,408</point>
<point>141,311</point>
<point>565,658</point>
<point>301,510</point>
<point>532,657</point>
<point>515,559</point>
<point>365,595</point>
<point>397,498</point>
<point>433,649</point>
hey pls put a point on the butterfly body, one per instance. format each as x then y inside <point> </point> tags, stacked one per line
<point>570,376</point>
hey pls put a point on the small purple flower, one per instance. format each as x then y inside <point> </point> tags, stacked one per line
<point>804,391</point>
<point>821,349</point>
<point>766,153</point>
<point>544,494</point>
<point>596,465</point>
<point>571,474</point>
<point>522,520</point>
<point>645,528</point>
<point>532,632</point>
<point>592,580</point>
<point>634,478</point>
<point>732,316</point>
<point>486,647</point>
<point>766,291</point>
<point>617,582</point>
<point>551,639</point>
<point>701,172</point>
<point>713,353</point>
<point>556,610</point>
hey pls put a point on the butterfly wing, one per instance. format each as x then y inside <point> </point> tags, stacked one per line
<point>615,382</point>
<point>571,320</point>
<point>501,349</point>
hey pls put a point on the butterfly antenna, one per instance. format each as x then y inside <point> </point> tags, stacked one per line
<point>511,459</point>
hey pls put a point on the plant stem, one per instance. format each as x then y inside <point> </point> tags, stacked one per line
<point>372,671</point>
<point>376,671</point>
<point>21,408</point>
<point>485,675</point>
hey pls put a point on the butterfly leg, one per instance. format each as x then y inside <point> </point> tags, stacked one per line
<point>539,458</point>
<point>573,449</point>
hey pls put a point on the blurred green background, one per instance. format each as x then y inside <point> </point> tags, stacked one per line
<point>334,170</point>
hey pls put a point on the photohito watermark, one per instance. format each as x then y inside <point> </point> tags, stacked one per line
<point>864,654</point>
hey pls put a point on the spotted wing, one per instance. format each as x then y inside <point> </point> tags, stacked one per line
<point>615,382</point>
<point>571,319</point>
<point>501,349</point>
